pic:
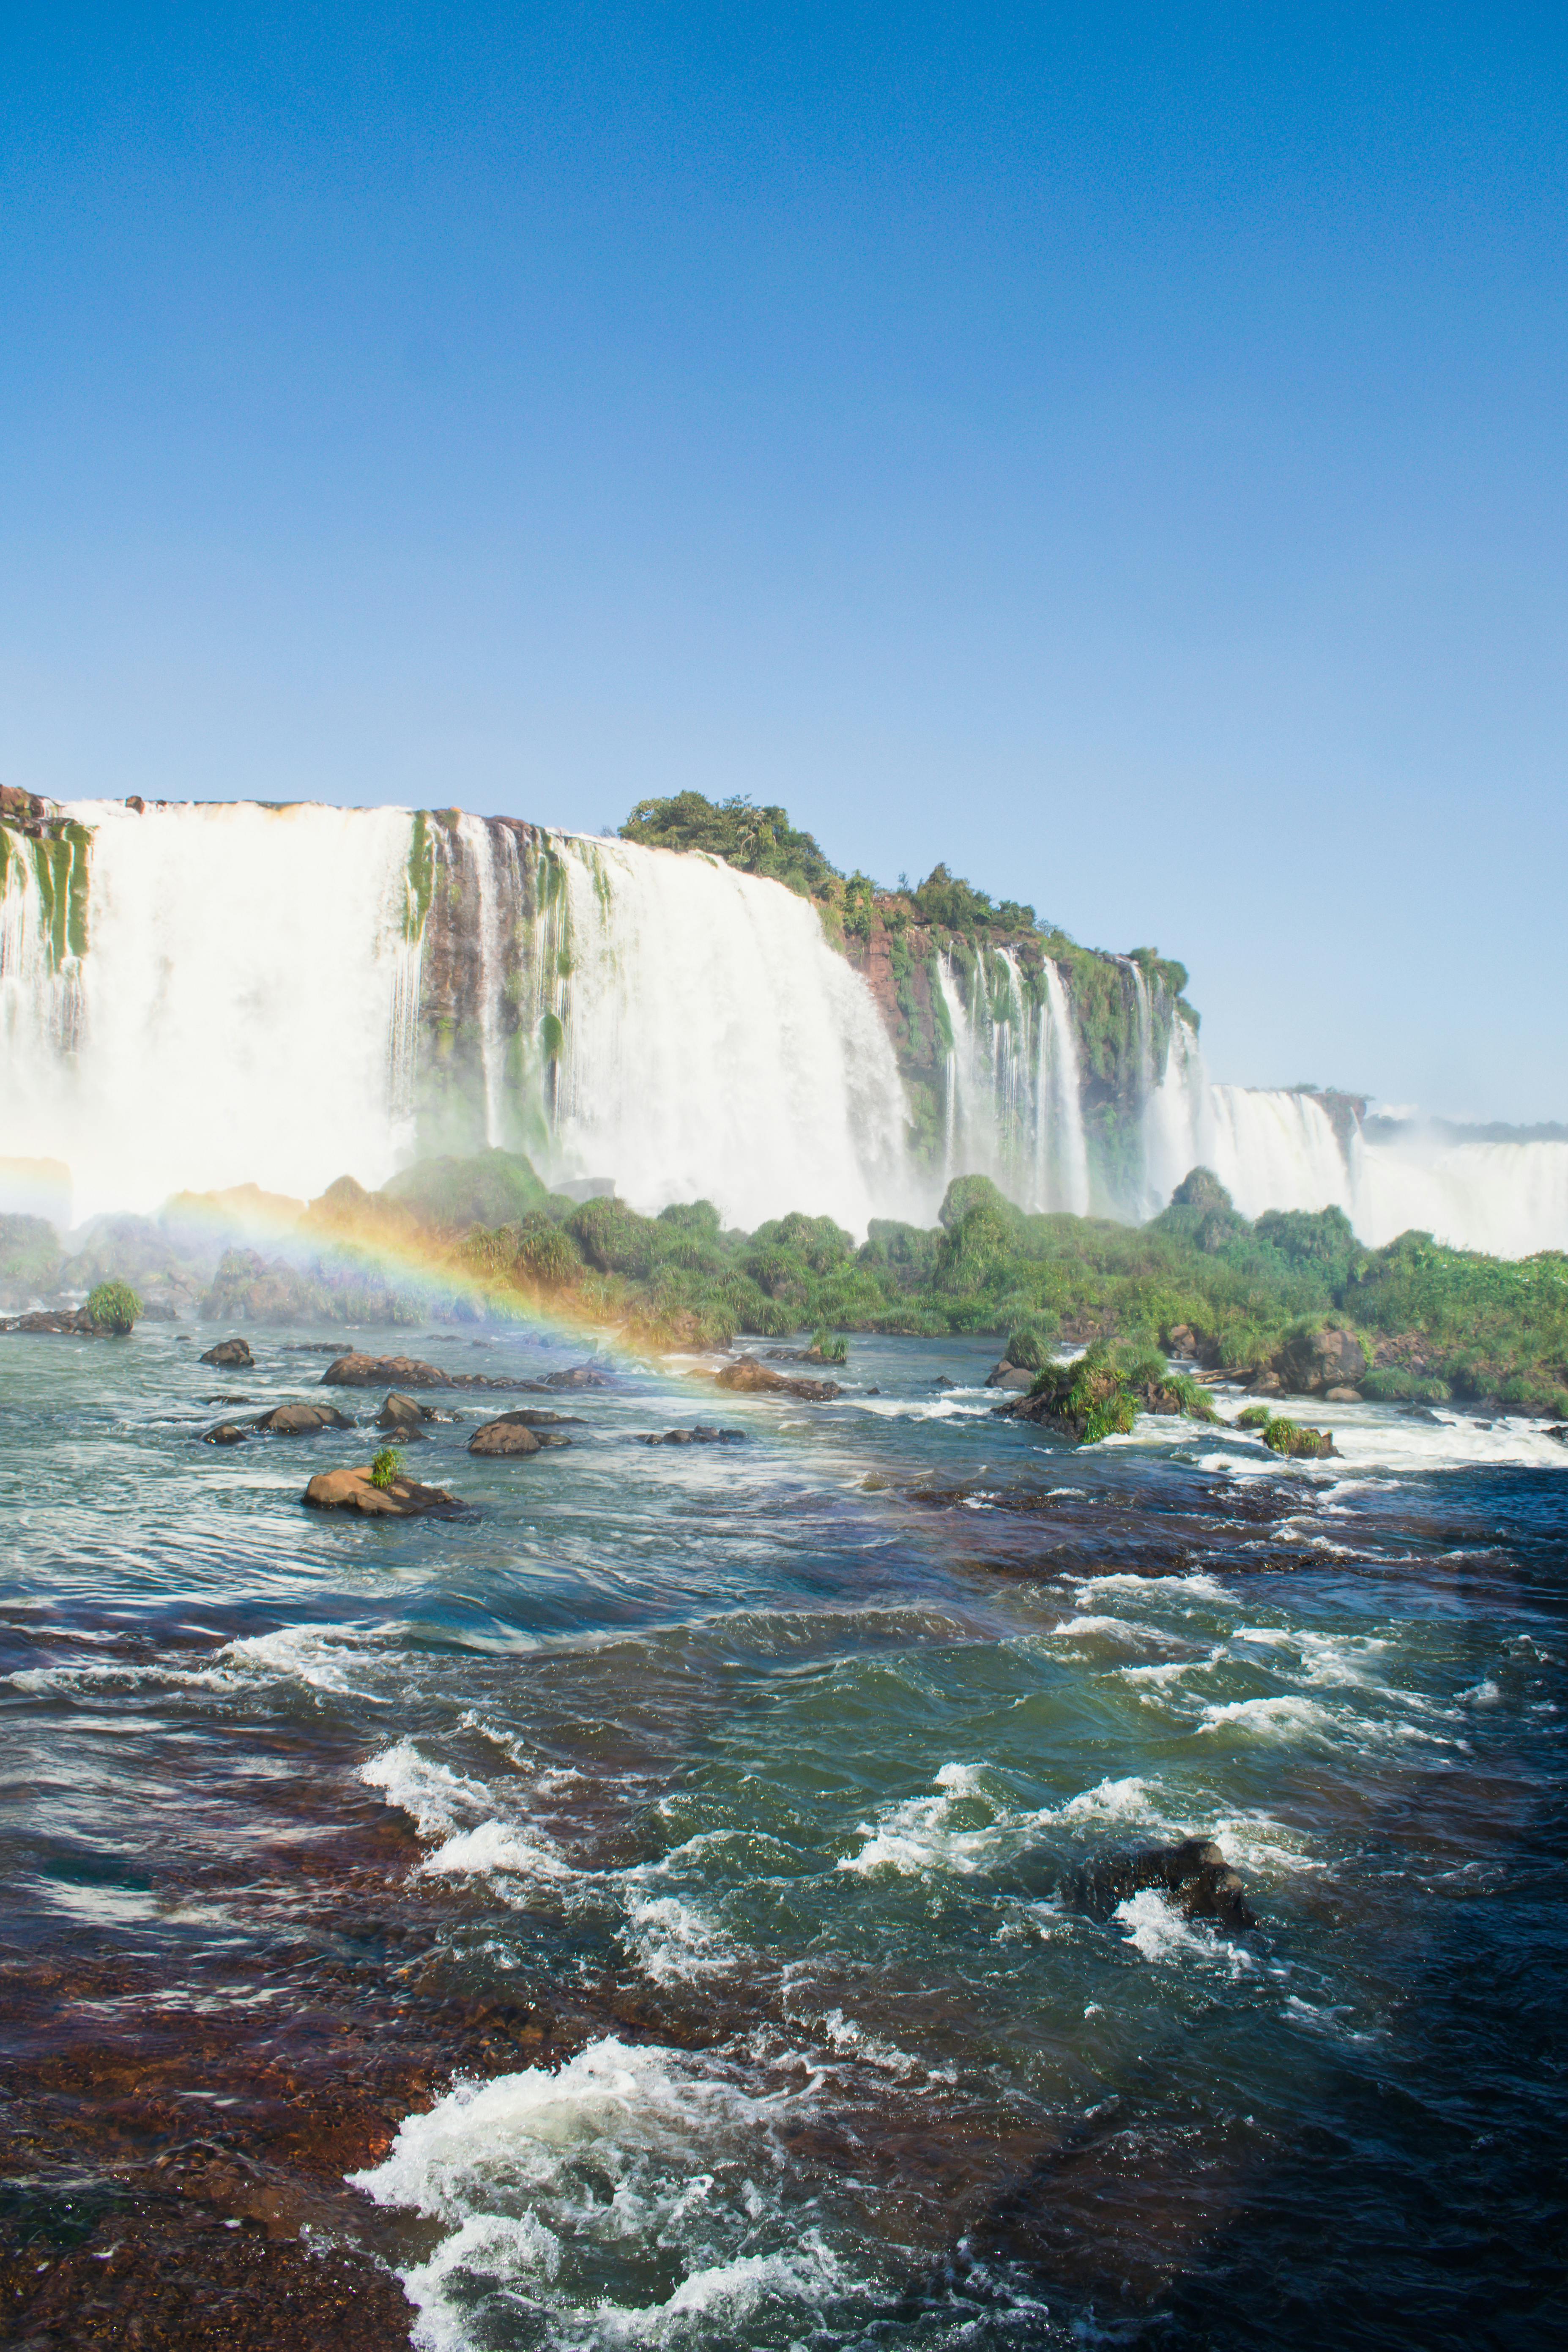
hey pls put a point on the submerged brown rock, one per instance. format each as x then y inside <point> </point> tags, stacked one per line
<point>235,1352</point>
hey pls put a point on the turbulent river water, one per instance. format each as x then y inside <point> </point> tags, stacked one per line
<point>632,1914</point>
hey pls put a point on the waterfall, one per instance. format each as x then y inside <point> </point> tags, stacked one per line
<point>239,998</point>
<point>1013,1108</point>
<point>1278,1149</point>
<point>714,1044</point>
<point>209,995</point>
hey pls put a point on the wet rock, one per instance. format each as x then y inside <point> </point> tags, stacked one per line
<point>701,1432</point>
<point>507,1436</point>
<point>301,1420</point>
<point>401,1498</point>
<point>1341,1396</point>
<point>357,1371</point>
<point>1009,1376</point>
<point>1559,1430</point>
<point>404,1414</point>
<point>1315,1361</point>
<point>532,1417</point>
<point>1193,1876</point>
<point>230,1352</point>
<point>942,1382</point>
<point>577,1376</point>
<point>749,1377</point>
<point>1266,1384</point>
<point>57,1321</point>
<point>227,1432</point>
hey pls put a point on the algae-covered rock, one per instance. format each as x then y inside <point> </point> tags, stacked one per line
<point>1103,1393</point>
<point>1295,1444</point>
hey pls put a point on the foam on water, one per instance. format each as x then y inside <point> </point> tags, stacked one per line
<point>639,2194</point>
<point>1157,1930</point>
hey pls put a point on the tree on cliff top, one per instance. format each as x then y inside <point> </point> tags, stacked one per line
<point>756,840</point>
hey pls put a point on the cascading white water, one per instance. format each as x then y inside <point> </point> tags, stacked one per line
<point>1014,1099</point>
<point>242,1002</point>
<point>1278,1149</point>
<point>1271,1148</point>
<point>715,1045</point>
<point>243,994</point>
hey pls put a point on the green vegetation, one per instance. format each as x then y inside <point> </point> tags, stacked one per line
<point>30,1253</point>
<point>1200,1279</point>
<point>385,1467</point>
<point>113,1307</point>
<point>1290,1440</point>
<point>1103,1393</point>
<point>757,840</point>
<point>828,1349</point>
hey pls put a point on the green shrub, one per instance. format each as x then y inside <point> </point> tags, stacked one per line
<point>113,1307</point>
<point>385,1467</point>
<point>1390,1385</point>
<point>828,1348</point>
<point>1028,1347</point>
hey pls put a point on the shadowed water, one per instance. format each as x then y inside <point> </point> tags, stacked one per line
<point>647,1888</point>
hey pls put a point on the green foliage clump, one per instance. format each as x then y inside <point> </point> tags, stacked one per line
<point>828,1348</point>
<point>949,904</point>
<point>1101,1394</point>
<point>385,1467</point>
<point>488,1188</point>
<point>1393,1385</point>
<point>113,1307</point>
<point>757,840</point>
<point>1028,1348</point>
<point>1256,1416</point>
<point>1293,1442</point>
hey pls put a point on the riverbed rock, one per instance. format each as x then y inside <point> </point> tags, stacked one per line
<point>577,1376</point>
<point>234,1353</point>
<point>1010,1376</point>
<point>1193,1876</point>
<point>57,1322</point>
<point>404,1498</point>
<point>1341,1396</point>
<point>505,1437</point>
<point>750,1378</point>
<point>301,1420</point>
<point>359,1371</point>
<point>701,1432</point>
<point>403,1414</point>
<point>227,1432</point>
<point>1312,1362</point>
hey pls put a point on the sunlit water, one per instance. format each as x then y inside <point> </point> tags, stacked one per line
<point>791,1742</point>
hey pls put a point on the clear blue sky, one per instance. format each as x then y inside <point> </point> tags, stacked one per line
<point>1118,450</point>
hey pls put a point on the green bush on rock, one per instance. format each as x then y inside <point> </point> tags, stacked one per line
<point>113,1307</point>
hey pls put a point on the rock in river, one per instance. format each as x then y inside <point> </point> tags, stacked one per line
<point>403,1414</point>
<point>233,1352</point>
<point>403,1498</point>
<point>749,1376</point>
<point>517,1433</point>
<point>1193,1876</point>
<point>299,1420</point>
<point>357,1371</point>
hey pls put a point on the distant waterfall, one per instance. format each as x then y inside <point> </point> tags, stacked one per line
<point>1013,1108</point>
<point>1278,1149</point>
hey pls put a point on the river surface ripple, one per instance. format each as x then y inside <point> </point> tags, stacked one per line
<point>629,1914</point>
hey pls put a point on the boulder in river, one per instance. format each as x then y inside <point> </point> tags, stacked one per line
<point>1293,1442</point>
<point>1312,1362</point>
<point>1193,1876</point>
<point>227,1432</point>
<point>229,1352</point>
<point>356,1372</point>
<point>1010,1376</point>
<point>511,1434</point>
<point>62,1321</point>
<point>749,1377</point>
<point>403,1414</point>
<point>301,1420</point>
<point>400,1498</point>
<point>577,1376</point>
